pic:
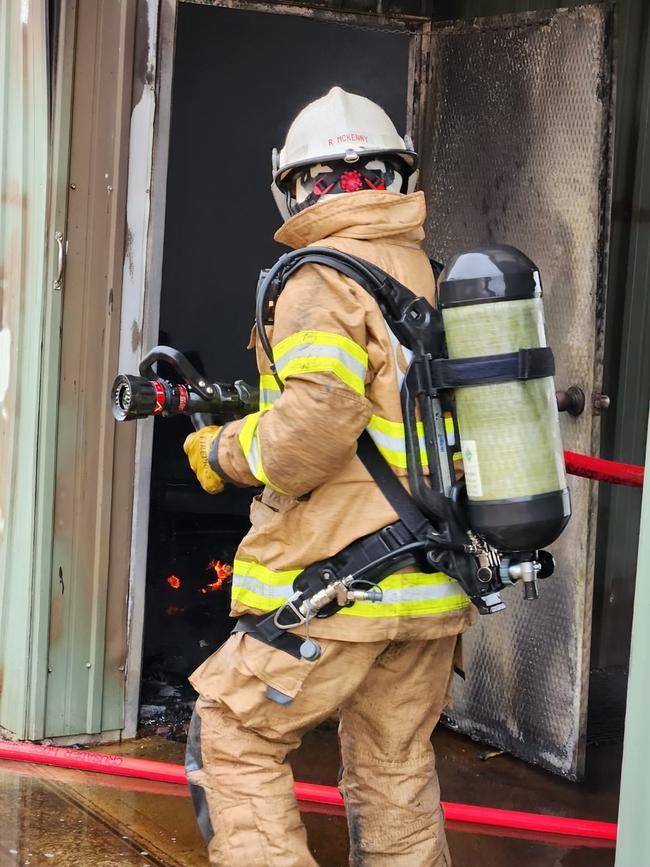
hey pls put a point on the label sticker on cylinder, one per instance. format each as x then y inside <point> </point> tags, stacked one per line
<point>472,469</point>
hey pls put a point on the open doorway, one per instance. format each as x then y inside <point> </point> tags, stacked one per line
<point>239,78</point>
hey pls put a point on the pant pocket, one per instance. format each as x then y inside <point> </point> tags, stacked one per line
<point>256,682</point>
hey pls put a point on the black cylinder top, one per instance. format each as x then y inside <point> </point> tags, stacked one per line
<point>488,274</point>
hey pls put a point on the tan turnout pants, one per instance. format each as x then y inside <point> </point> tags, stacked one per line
<point>389,695</point>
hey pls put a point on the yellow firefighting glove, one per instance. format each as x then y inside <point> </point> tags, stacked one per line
<point>197,448</point>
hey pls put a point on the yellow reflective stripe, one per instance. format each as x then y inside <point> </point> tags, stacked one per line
<point>407,609</point>
<point>320,338</point>
<point>262,573</point>
<point>450,431</point>
<point>253,600</point>
<point>392,428</point>
<point>261,475</point>
<point>402,580</point>
<point>247,432</point>
<point>396,459</point>
<point>322,352</point>
<point>258,587</point>
<point>269,391</point>
<point>296,366</point>
<point>251,446</point>
<point>390,439</point>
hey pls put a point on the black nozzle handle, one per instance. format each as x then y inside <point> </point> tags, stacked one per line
<point>176,360</point>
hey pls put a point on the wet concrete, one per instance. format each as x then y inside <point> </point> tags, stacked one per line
<point>59,817</point>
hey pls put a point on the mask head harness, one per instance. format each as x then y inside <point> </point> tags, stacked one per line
<point>309,185</point>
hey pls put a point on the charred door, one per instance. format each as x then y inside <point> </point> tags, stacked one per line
<point>516,151</point>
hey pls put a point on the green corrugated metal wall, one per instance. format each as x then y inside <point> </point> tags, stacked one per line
<point>23,181</point>
<point>633,841</point>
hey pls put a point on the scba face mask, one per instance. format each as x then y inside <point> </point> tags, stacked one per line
<point>312,184</point>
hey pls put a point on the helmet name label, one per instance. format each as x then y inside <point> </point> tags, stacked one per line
<point>347,137</point>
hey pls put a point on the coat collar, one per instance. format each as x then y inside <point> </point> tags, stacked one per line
<point>366,215</point>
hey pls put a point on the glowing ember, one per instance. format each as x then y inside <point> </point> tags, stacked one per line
<point>223,573</point>
<point>174,582</point>
<point>221,570</point>
<point>174,611</point>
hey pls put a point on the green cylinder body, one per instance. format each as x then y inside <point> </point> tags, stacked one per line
<point>509,431</point>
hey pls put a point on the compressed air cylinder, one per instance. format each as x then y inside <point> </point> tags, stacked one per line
<point>491,302</point>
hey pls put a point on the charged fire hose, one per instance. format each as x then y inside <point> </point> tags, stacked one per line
<point>604,471</point>
<point>166,772</point>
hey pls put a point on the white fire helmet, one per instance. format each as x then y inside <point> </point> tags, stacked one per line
<point>342,128</point>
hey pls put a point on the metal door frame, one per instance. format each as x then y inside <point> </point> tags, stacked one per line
<point>142,278</point>
<point>61,125</point>
<point>28,167</point>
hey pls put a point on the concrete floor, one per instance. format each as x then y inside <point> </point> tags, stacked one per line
<point>52,816</point>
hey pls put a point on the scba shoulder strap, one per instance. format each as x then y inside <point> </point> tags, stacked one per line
<point>432,528</point>
<point>415,323</point>
<point>419,327</point>
<point>397,304</point>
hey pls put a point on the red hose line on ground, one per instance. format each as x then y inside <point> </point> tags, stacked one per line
<point>604,471</point>
<point>125,766</point>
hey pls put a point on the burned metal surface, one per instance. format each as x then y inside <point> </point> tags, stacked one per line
<point>517,152</point>
<point>382,14</point>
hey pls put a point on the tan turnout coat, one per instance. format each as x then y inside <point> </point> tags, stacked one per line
<point>341,369</point>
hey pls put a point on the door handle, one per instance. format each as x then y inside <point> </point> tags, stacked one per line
<point>58,282</point>
<point>572,400</point>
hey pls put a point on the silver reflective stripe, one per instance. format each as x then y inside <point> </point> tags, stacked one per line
<point>268,396</point>
<point>393,443</point>
<point>421,594</point>
<point>393,447</point>
<point>317,350</point>
<point>256,585</point>
<point>389,597</point>
<point>407,353</point>
<point>254,458</point>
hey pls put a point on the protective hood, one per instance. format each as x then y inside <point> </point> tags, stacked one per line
<point>366,215</point>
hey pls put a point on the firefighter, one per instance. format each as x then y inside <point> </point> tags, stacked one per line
<point>344,179</point>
